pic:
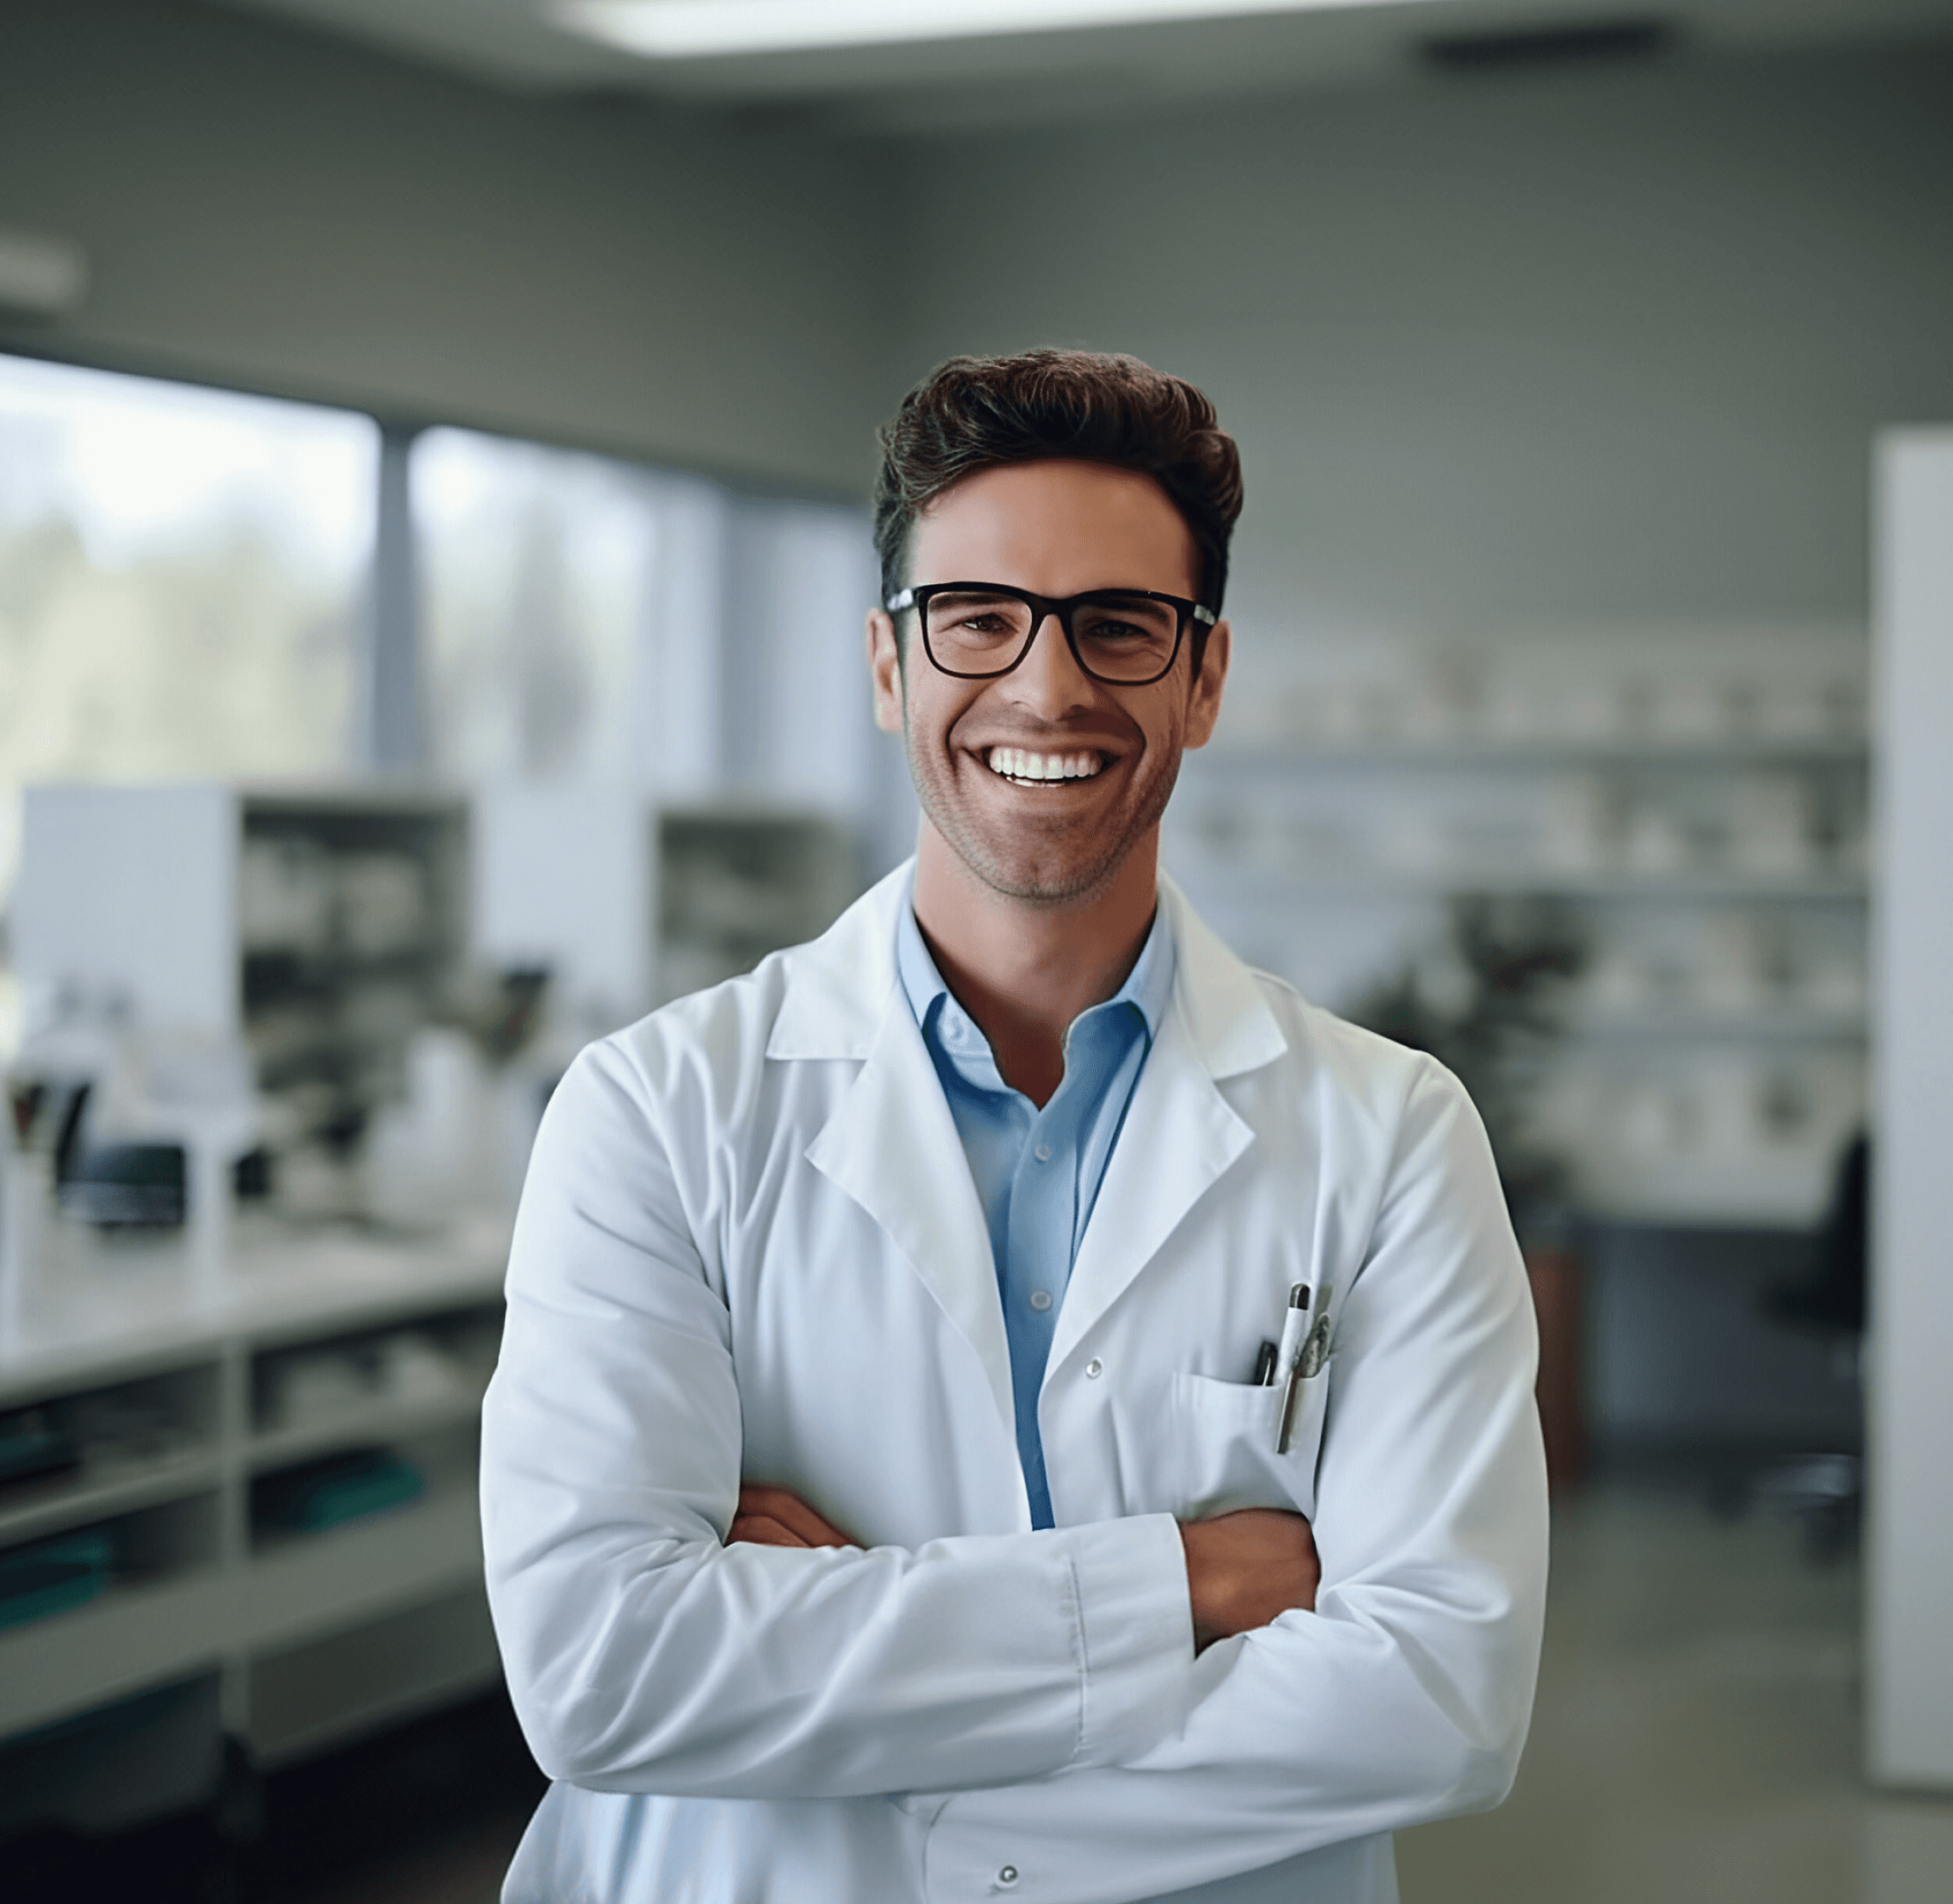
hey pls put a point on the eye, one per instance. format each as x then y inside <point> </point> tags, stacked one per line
<point>1124,623</point>
<point>976,618</point>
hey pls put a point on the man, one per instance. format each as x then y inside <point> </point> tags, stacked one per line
<point>881,1498</point>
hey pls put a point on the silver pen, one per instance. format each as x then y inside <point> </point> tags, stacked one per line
<point>1288,1359</point>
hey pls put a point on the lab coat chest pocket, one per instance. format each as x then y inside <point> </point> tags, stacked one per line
<point>1225,1453</point>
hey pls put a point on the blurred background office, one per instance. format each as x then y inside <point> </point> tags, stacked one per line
<point>434,439</point>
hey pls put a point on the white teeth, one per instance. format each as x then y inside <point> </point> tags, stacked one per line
<point>1019,763</point>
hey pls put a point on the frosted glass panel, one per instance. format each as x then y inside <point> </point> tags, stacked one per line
<point>182,574</point>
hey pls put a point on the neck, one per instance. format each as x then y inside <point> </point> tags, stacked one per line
<point>1024,971</point>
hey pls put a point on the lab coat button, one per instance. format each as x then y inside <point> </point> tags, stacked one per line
<point>1041,1298</point>
<point>1042,1153</point>
<point>1095,1368</point>
<point>1007,1876</point>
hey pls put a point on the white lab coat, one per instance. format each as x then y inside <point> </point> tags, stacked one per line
<point>749,1244</point>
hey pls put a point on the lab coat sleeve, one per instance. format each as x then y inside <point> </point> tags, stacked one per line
<point>642,1654</point>
<point>1406,1695</point>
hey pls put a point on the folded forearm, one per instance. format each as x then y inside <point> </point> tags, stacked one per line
<point>1321,1728</point>
<point>685,1668</point>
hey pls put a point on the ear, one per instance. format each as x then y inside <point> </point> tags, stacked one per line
<point>1204,697</point>
<point>885,670</point>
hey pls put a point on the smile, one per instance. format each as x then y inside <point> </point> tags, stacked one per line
<point>1026,768</point>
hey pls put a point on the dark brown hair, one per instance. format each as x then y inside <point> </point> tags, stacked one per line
<point>971,413</point>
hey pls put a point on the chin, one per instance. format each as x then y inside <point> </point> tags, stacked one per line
<point>1038,878</point>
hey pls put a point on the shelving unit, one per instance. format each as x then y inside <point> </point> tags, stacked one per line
<point>320,927</point>
<point>1698,820</point>
<point>628,904</point>
<point>734,883</point>
<point>311,1637</point>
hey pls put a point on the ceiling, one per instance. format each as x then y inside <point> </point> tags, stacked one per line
<point>916,85</point>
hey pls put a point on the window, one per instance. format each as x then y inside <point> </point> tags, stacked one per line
<point>186,580</point>
<point>540,577</point>
<point>183,575</point>
<point>585,620</point>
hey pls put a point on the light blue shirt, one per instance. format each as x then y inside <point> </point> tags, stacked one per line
<point>1037,1172</point>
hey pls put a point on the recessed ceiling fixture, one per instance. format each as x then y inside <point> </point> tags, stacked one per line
<point>709,30</point>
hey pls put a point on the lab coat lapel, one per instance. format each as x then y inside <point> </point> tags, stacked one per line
<point>892,1146</point>
<point>1180,1134</point>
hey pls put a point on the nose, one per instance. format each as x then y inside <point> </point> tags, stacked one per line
<point>1048,683</point>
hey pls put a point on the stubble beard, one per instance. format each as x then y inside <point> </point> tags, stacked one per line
<point>1030,865</point>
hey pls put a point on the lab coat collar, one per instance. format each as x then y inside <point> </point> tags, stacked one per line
<point>841,987</point>
<point>892,1144</point>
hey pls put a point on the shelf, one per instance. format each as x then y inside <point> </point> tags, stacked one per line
<point>1731,752</point>
<point>306,1584</point>
<point>296,967</point>
<point>324,1691</point>
<point>380,796</point>
<point>1785,1025</point>
<point>1709,1193</point>
<point>383,1420</point>
<point>133,1636</point>
<point>1287,886</point>
<point>100,1492</point>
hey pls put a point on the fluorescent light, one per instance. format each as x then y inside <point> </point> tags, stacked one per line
<point>708,29</point>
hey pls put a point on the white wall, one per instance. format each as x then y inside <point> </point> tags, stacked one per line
<point>271,209</point>
<point>1595,348</point>
<point>1911,1665</point>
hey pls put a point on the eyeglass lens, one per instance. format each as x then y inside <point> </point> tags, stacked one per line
<point>1118,637</point>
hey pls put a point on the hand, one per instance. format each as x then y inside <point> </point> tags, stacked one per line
<point>777,1517</point>
<point>1245,1568</point>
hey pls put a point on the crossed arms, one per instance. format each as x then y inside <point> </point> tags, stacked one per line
<point>1244,1569</point>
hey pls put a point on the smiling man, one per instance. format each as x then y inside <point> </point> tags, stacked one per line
<point>1006,1401</point>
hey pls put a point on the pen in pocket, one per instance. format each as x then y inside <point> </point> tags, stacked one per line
<point>1288,1359</point>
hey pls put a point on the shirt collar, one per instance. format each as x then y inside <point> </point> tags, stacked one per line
<point>1148,987</point>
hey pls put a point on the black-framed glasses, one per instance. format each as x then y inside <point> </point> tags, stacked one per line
<point>1127,638</point>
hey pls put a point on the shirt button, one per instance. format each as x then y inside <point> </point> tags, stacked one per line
<point>1042,1153</point>
<point>1095,1368</point>
<point>1007,1876</point>
<point>1041,1298</point>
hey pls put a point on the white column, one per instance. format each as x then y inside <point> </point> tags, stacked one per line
<point>1910,1600</point>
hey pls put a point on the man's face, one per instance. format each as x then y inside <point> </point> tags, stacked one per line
<point>1108,756</point>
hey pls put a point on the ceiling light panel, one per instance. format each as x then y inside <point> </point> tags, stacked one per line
<point>720,29</point>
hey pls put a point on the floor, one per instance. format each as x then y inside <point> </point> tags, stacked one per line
<point>429,1814</point>
<point>1696,1735</point>
<point>1696,1741</point>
